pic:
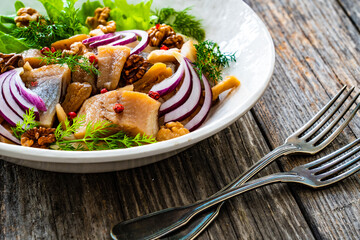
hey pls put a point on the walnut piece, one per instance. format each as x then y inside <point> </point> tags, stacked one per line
<point>164,35</point>
<point>38,137</point>
<point>77,48</point>
<point>174,41</point>
<point>101,17</point>
<point>171,130</point>
<point>109,27</point>
<point>25,16</point>
<point>134,69</point>
<point>10,61</point>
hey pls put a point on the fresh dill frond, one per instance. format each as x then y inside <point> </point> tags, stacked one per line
<point>40,33</point>
<point>210,60</point>
<point>95,137</point>
<point>73,61</point>
<point>181,21</point>
<point>69,20</point>
<point>29,122</point>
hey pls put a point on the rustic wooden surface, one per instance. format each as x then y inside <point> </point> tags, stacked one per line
<point>317,51</point>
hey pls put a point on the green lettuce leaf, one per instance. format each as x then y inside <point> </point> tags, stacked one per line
<point>53,8</point>
<point>18,5</point>
<point>10,44</point>
<point>130,16</point>
<point>7,23</point>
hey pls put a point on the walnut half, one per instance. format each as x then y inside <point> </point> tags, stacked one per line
<point>171,130</point>
<point>101,17</point>
<point>25,16</point>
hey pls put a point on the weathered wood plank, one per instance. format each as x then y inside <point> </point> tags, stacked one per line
<point>317,52</point>
<point>352,8</point>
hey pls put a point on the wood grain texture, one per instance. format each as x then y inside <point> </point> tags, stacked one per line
<point>317,51</point>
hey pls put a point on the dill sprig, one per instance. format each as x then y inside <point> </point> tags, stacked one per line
<point>181,21</point>
<point>69,20</point>
<point>73,61</point>
<point>40,33</point>
<point>29,122</point>
<point>210,60</point>
<point>95,137</point>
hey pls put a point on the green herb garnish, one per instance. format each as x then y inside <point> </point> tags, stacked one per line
<point>40,33</point>
<point>210,60</point>
<point>94,137</point>
<point>28,123</point>
<point>68,19</point>
<point>181,21</point>
<point>73,61</point>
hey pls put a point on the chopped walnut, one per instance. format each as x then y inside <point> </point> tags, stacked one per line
<point>164,35</point>
<point>77,48</point>
<point>174,41</point>
<point>109,27</point>
<point>25,16</point>
<point>134,69</point>
<point>38,137</point>
<point>101,17</point>
<point>171,130</point>
<point>10,61</point>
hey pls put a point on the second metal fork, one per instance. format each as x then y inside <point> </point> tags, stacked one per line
<point>319,173</point>
<point>310,139</point>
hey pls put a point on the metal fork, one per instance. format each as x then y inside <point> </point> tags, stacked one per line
<point>308,139</point>
<point>319,173</point>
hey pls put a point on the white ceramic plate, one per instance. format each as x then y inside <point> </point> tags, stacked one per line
<point>230,23</point>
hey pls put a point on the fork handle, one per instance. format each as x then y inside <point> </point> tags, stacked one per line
<point>201,221</point>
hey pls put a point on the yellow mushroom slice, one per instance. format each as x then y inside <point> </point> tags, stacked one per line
<point>228,83</point>
<point>162,56</point>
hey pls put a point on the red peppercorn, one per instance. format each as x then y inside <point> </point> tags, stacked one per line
<point>53,49</point>
<point>45,50</point>
<point>104,90</point>
<point>154,95</point>
<point>163,47</point>
<point>72,115</point>
<point>34,84</point>
<point>93,59</point>
<point>157,26</point>
<point>118,108</point>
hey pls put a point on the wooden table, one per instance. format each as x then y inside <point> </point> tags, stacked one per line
<point>317,51</point>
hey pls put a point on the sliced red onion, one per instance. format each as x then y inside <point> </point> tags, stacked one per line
<point>97,38</point>
<point>5,111</point>
<point>107,41</point>
<point>6,134</point>
<point>180,97</point>
<point>23,103</point>
<point>142,44</point>
<point>129,38</point>
<point>169,84</point>
<point>187,108</point>
<point>200,117</point>
<point>29,95</point>
<point>9,99</point>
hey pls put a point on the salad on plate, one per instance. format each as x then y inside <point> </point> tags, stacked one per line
<point>106,75</point>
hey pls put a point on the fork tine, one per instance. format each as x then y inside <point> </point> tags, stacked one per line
<point>322,123</point>
<point>316,163</point>
<point>337,161</point>
<point>320,113</point>
<point>340,128</point>
<point>343,175</point>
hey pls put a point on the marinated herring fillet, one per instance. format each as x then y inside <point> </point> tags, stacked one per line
<point>49,89</point>
<point>111,60</point>
<point>140,113</point>
<point>49,71</point>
